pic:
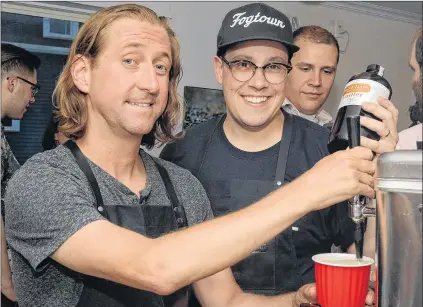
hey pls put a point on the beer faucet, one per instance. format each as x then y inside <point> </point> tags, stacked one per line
<point>357,207</point>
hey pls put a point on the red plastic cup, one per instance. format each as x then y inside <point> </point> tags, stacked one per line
<point>341,280</point>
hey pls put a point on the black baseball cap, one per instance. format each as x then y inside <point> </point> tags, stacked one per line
<point>255,21</point>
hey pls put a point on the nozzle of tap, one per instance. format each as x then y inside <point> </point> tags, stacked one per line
<point>356,208</point>
<point>357,204</point>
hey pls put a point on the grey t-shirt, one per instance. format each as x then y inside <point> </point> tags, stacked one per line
<point>49,199</point>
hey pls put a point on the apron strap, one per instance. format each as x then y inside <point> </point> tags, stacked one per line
<point>202,158</point>
<point>284,148</point>
<point>178,209</point>
<point>86,169</point>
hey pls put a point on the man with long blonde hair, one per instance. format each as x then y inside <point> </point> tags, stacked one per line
<point>94,222</point>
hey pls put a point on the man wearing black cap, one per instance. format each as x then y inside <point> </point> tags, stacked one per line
<point>256,147</point>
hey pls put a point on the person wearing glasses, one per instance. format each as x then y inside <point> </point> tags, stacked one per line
<point>18,90</point>
<point>257,147</point>
<point>19,78</point>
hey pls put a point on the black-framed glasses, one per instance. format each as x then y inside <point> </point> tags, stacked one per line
<point>34,87</point>
<point>243,70</point>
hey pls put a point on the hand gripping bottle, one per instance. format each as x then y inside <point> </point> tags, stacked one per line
<point>364,87</point>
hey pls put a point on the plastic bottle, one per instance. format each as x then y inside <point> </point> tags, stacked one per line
<point>364,87</point>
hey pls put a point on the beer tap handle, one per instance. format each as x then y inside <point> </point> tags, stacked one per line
<point>353,127</point>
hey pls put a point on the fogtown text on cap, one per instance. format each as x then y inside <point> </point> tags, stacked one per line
<point>255,21</point>
<point>238,19</point>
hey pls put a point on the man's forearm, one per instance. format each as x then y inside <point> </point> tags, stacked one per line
<point>183,254</point>
<point>172,261</point>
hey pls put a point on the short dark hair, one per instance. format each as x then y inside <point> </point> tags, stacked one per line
<point>317,35</point>
<point>14,58</point>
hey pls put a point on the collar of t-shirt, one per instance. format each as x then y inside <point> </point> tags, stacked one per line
<point>241,154</point>
<point>321,118</point>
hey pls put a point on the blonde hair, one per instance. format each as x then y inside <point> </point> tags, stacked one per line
<point>71,108</point>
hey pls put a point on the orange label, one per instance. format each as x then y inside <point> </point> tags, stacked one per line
<point>357,87</point>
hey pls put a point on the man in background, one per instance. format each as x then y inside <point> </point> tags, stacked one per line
<point>411,137</point>
<point>18,90</point>
<point>313,73</point>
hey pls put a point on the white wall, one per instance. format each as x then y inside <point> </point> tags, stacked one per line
<point>372,40</point>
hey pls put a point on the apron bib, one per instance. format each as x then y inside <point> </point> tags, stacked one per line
<point>262,271</point>
<point>150,221</point>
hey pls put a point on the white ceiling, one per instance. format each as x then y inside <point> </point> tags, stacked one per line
<point>407,6</point>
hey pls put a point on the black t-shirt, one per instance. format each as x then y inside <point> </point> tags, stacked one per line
<point>225,161</point>
<point>317,231</point>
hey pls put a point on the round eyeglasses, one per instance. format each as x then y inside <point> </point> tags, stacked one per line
<point>243,70</point>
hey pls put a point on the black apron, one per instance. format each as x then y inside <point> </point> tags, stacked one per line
<point>150,221</point>
<point>262,271</point>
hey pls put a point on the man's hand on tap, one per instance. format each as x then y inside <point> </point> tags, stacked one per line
<point>386,128</point>
<point>340,176</point>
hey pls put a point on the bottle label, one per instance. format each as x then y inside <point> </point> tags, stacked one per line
<point>362,90</point>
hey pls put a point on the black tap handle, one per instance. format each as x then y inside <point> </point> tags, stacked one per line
<point>353,127</point>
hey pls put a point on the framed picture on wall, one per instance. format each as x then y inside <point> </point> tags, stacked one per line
<point>202,104</point>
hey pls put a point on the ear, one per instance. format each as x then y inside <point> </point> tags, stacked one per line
<point>11,84</point>
<point>218,69</point>
<point>81,73</point>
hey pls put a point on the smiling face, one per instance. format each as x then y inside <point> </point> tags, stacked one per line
<point>255,103</point>
<point>128,82</point>
<point>312,76</point>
